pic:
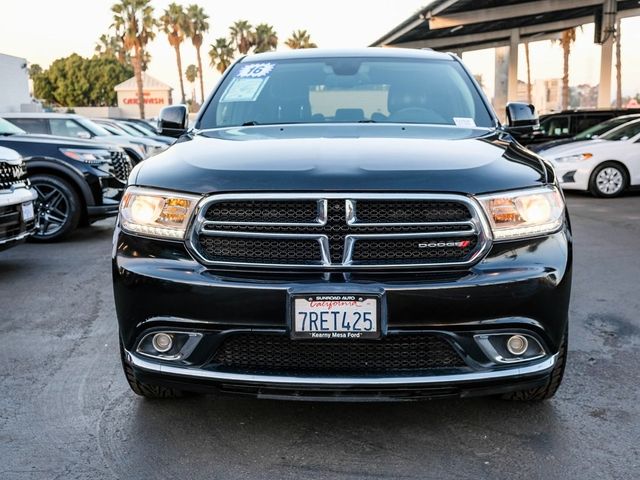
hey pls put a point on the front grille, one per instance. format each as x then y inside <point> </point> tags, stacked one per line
<point>347,232</point>
<point>399,251</point>
<point>276,353</point>
<point>260,250</point>
<point>302,211</point>
<point>11,224</point>
<point>11,175</point>
<point>120,166</point>
<point>415,211</point>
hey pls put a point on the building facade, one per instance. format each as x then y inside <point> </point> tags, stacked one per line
<point>157,95</point>
<point>14,84</point>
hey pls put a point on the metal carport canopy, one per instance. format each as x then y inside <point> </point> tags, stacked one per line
<point>457,25</point>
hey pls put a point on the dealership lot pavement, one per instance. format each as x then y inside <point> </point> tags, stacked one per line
<point>66,411</point>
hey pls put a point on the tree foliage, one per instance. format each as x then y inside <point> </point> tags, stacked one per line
<point>221,54</point>
<point>191,73</point>
<point>300,39</point>
<point>265,39</point>
<point>242,36</point>
<point>81,82</point>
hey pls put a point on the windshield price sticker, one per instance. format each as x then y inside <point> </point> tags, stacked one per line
<point>256,70</point>
<point>336,316</point>
<point>245,89</point>
<point>464,122</point>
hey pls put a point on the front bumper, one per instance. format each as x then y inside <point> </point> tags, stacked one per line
<point>518,287</point>
<point>14,229</point>
<point>573,176</point>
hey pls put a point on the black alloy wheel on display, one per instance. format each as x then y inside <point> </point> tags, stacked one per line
<point>57,208</point>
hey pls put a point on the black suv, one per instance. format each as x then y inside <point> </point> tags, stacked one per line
<point>77,181</point>
<point>568,123</point>
<point>354,225</point>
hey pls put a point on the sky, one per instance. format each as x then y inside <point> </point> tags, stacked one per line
<point>44,30</point>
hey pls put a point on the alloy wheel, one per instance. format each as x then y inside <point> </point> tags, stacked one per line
<point>52,209</point>
<point>609,181</point>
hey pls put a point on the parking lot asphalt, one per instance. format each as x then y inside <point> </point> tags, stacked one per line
<point>66,411</point>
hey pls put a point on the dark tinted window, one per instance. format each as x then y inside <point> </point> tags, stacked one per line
<point>585,121</point>
<point>556,126</point>
<point>347,90</point>
<point>31,125</point>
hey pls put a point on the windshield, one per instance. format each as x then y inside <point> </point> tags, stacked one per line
<point>625,132</point>
<point>147,132</point>
<point>347,90</point>
<point>128,130</point>
<point>8,128</point>
<point>93,127</point>
<point>601,128</point>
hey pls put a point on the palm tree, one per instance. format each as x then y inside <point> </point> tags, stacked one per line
<point>176,25</point>
<point>221,54</point>
<point>242,36</point>
<point>198,27</point>
<point>134,18</point>
<point>265,39</point>
<point>528,58</point>
<point>566,40</point>
<point>191,74</point>
<point>300,39</point>
<point>111,46</point>
<point>618,67</point>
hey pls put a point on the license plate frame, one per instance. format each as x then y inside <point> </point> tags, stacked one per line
<point>328,301</point>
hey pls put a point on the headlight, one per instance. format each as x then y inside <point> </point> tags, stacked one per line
<point>156,213</point>
<point>524,213</point>
<point>88,155</point>
<point>154,150</point>
<point>573,158</point>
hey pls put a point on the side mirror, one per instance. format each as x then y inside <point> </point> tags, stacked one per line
<point>173,121</point>
<point>83,134</point>
<point>522,118</point>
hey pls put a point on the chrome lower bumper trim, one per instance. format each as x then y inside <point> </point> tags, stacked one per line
<point>541,367</point>
<point>17,238</point>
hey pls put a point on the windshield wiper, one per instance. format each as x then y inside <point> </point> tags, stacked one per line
<point>367,121</point>
<point>252,123</point>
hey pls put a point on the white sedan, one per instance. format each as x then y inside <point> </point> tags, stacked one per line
<point>606,167</point>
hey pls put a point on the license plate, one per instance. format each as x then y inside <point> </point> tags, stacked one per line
<point>336,316</point>
<point>27,211</point>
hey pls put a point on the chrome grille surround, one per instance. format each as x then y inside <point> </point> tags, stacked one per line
<point>12,175</point>
<point>476,225</point>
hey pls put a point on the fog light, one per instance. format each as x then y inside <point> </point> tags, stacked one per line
<point>516,345</point>
<point>162,342</point>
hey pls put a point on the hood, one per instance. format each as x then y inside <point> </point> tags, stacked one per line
<point>125,140</point>
<point>57,141</point>
<point>343,158</point>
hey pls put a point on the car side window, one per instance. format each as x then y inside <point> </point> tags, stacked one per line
<point>31,125</point>
<point>65,127</point>
<point>555,126</point>
<point>588,121</point>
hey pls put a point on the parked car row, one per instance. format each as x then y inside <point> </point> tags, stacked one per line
<point>603,159</point>
<point>60,171</point>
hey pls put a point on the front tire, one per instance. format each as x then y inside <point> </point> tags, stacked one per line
<point>146,390</point>
<point>555,379</point>
<point>57,208</point>
<point>608,180</point>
